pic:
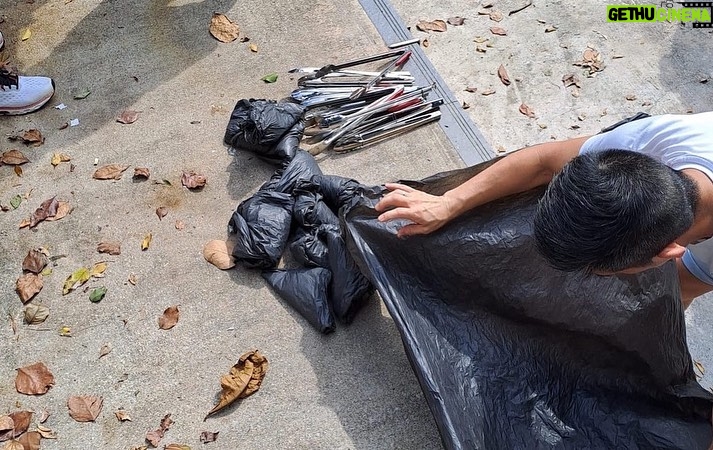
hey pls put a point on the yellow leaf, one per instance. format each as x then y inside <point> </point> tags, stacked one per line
<point>58,158</point>
<point>26,34</point>
<point>65,331</point>
<point>253,48</point>
<point>78,278</point>
<point>98,270</point>
<point>146,242</point>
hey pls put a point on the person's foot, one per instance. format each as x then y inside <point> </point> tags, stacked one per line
<point>22,95</point>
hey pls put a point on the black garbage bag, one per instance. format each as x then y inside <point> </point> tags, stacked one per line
<point>302,166</point>
<point>336,191</point>
<point>307,249</point>
<point>258,126</point>
<point>513,354</point>
<point>262,225</point>
<point>349,289</point>
<point>309,210</point>
<point>306,291</point>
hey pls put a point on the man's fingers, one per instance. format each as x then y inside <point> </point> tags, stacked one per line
<point>397,213</point>
<point>412,230</point>
<point>393,199</point>
<point>403,187</point>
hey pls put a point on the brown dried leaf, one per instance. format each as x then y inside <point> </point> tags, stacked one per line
<point>20,423</point>
<point>28,285</point>
<point>132,279</point>
<point>59,158</point>
<point>13,158</point>
<point>498,31</point>
<point>154,437</point>
<point>480,39</point>
<point>142,172</point>
<point>177,447</point>
<point>18,171</point>
<point>63,208</point>
<point>33,136</point>
<point>110,172</point>
<point>30,441</point>
<point>13,445</point>
<point>7,426</point>
<point>180,225</point>
<point>34,379</point>
<point>631,97</point>
<point>112,248</point>
<point>223,29</point>
<point>193,180</point>
<point>471,89</point>
<point>122,416</point>
<point>435,25</point>
<point>496,16</point>
<point>169,319</point>
<point>128,116</point>
<point>44,415</point>
<point>456,21</point>
<point>85,408</point>
<point>105,350</point>
<point>219,253</point>
<point>243,379</point>
<point>526,110</point>
<point>36,313</point>
<point>209,436</point>
<point>425,43</point>
<point>550,28</point>
<point>48,208</point>
<point>161,212</point>
<point>503,74</point>
<point>466,105</point>
<point>35,261</point>
<point>489,91</point>
<point>146,241</point>
<point>571,79</point>
<point>46,433</point>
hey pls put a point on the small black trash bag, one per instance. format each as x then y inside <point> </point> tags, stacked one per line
<point>309,210</point>
<point>262,225</point>
<point>258,126</point>
<point>307,249</point>
<point>302,166</point>
<point>306,291</point>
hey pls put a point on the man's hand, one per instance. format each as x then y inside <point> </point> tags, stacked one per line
<point>427,212</point>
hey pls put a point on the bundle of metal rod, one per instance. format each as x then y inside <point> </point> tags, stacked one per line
<point>347,109</point>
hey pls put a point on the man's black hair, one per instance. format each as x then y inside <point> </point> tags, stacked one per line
<point>612,210</point>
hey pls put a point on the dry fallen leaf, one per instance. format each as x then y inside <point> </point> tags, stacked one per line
<point>495,16</point>
<point>132,279</point>
<point>28,285</point>
<point>177,447</point>
<point>526,110</point>
<point>488,91</point>
<point>701,369</point>
<point>142,172</point>
<point>180,225</point>
<point>36,313</point>
<point>456,21</point>
<point>219,253</point>
<point>146,241</point>
<point>253,48</point>
<point>7,428</point>
<point>169,319</point>
<point>503,74</point>
<point>112,248</point>
<point>128,116</point>
<point>13,158</point>
<point>243,379</point>
<point>631,97</point>
<point>63,208</point>
<point>161,212</point>
<point>193,180</point>
<point>19,421</point>
<point>498,31</point>
<point>35,261</point>
<point>104,350</point>
<point>33,136</point>
<point>223,29</point>
<point>209,436</point>
<point>110,172</point>
<point>466,105</point>
<point>44,415</point>
<point>471,89</point>
<point>425,43</point>
<point>85,408</point>
<point>48,208</point>
<point>46,433</point>
<point>154,437</point>
<point>571,79</point>
<point>13,445</point>
<point>17,170</point>
<point>122,416</point>
<point>436,25</point>
<point>550,28</point>
<point>30,441</point>
<point>98,269</point>
<point>34,379</point>
<point>59,158</point>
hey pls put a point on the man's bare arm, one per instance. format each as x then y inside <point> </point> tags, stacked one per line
<point>518,172</point>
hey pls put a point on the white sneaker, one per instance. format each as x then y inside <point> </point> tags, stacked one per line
<point>22,95</point>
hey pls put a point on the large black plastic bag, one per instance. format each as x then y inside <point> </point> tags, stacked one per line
<point>262,225</point>
<point>513,354</point>
<point>258,126</point>
<point>306,291</point>
<point>307,249</point>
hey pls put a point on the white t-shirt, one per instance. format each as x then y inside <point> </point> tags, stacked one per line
<point>680,142</point>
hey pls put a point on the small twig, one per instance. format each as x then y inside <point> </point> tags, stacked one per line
<point>517,10</point>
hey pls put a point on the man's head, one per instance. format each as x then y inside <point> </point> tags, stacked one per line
<point>613,210</point>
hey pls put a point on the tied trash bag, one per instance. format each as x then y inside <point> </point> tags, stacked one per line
<point>258,126</point>
<point>306,291</point>
<point>307,249</point>
<point>302,166</point>
<point>262,226</point>
<point>513,354</point>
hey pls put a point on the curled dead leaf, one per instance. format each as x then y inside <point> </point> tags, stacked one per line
<point>36,313</point>
<point>154,437</point>
<point>503,74</point>
<point>28,285</point>
<point>495,16</point>
<point>526,110</point>
<point>169,319</point>
<point>489,91</point>
<point>209,436</point>
<point>425,43</point>
<point>631,97</point>
<point>59,158</point>
<point>111,248</point>
<point>122,416</point>
<point>161,212</point>
<point>435,25</point>
<point>253,48</point>
<point>571,79</point>
<point>498,31</point>
<point>13,158</point>
<point>85,408</point>
<point>456,21</point>
<point>105,350</point>
<point>110,172</point>
<point>180,225</point>
<point>132,279</point>
<point>142,173</point>
<point>48,208</point>
<point>35,379</point>
<point>128,116</point>
<point>219,253</point>
<point>46,433</point>
<point>471,89</point>
<point>223,29</point>
<point>146,241</point>
<point>30,440</point>
<point>35,261</point>
<point>44,415</point>
<point>244,379</point>
<point>193,180</point>
<point>63,208</point>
